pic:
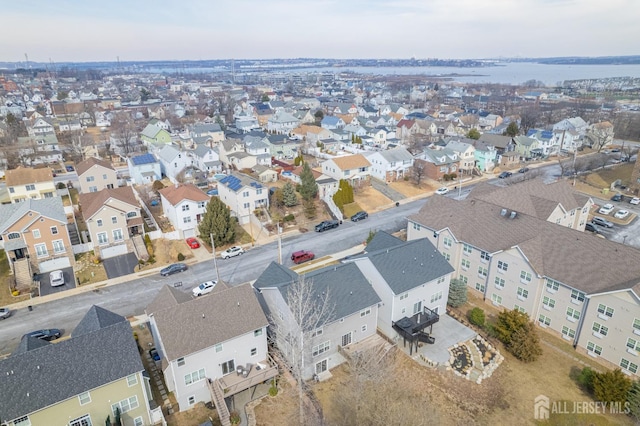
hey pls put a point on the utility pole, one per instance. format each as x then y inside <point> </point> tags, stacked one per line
<point>215,262</point>
<point>279,243</point>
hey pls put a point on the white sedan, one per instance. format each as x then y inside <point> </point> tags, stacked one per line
<point>232,252</point>
<point>204,288</point>
<point>621,214</point>
<point>442,191</point>
<point>56,278</point>
<point>635,201</point>
<point>606,209</point>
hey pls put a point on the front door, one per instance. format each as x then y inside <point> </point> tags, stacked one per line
<point>19,253</point>
<point>321,366</point>
<point>228,367</point>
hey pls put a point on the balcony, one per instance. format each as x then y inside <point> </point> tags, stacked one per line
<point>250,375</point>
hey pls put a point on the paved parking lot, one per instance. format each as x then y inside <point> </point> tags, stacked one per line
<point>120,265</point>
<point>45,285</point>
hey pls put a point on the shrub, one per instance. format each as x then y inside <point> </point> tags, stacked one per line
<point>453,176</point>
<point>525,344</point>
<point>289,218</point>
<point>234,418</point>
<point>585,379</point>
<point>273,390</point>
<point>180,257</point>
<point>61,185</point>
<point>476,317</point>
<point>611,386</point>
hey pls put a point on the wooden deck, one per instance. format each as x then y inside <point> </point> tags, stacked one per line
<point>375,343</point>
<point>260,372</point>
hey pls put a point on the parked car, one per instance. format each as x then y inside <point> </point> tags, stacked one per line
<point>173,269</point>
<point>153,353</point>
<point>193,243</point>
<point>327,224</point>
<point>5,313</point>
<point>591,228</point>
<point>621,214</point>
<point>442,191</point>
<point>505,175</point>
<point>70,168</point>
<point>523,170</point>
<point>301,256</point>
<point>616,197</point>
<point>635,201</point>
<point>204,288</point>
<point>46,334</point>
<point>232,252</point>
<point>56,278</point>
<point>359,216</point>
<point>600,221</point>
<point>606,209</point>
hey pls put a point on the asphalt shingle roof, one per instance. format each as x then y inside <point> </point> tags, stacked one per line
<point>82,167</point>
<point>48,207</point>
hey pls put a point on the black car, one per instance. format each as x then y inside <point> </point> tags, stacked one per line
<point>327,224</point>
<point>523,170</point>
<point>173,269</point>
<point>617,197</point>
<point>591,228</point>
<point>359,216</point>
<point>46,334</point>
<point>505,175</point>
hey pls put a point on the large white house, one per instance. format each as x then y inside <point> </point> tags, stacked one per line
<point>184,205</point>
<point>242,194</point>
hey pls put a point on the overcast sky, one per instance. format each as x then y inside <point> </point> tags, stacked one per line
<point>88,30</point>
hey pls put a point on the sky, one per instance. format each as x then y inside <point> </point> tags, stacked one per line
<point>138,30</point>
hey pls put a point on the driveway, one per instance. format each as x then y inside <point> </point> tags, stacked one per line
<point>120,265</point>
<point>386,190</point>
<point>45,285</point>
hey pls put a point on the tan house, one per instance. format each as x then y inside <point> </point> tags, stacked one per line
<point>354,168</point>
<point>35,238</point>
<point>25,183</point>
<point>113,218</point>
<point>78,381</point>
<point>95,175</point>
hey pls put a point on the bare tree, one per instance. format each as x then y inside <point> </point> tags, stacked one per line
<point>418,171</point>
<point>124,129</point>
<point>529,119</point>
<point>293,331</point>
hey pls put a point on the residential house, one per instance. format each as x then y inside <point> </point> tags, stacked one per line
<point>331,122</point>
<point>95,175</point>
<point>258,146</point>
<point>40,126</point>
<point>575,124</point>
<point>281,146</point>
<point>41,148</point>
<point>72,125</point>
<point>173,161</point>
<point>566,141</point>
<point>351,306</point>
<point>282,122</point>
<point>390,165</point>
<point>501,143</point>
<point>466,154</point>
<point>599,135</point>
<point>406,128</point>
<point>485,154</point>
<point>207,159</point>
<point>242,194</point>
<point>112,217</point>
<point>315,134</point>
<point>23,183</point>
<point>204,342</point>
<point>208,130</point>
<point>184,205</point>
<point>355,169</point>
<point>144,169</point>
<point>435,163</point>
<point>547,143</point>
<point>154,135</point>
<point>487,121</point>
<point>265,174</point>
<point>518,261</point>
<point>526,147</point>
<point>78,381</point>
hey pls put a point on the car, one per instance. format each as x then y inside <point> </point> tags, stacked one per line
<point>359,216</point>
<point>505,175</point>
<point>70,168</point>
<point>153,353</point>
<point>212,192</point>
<point>5,313</point>
<point>173,269</point>
<point>616,197</point>
<point>56,278</point>
<point>327,224</point>
<point>606,209</point>
<point>523,170</point>
<point>301,256</point>
<point>45,334</point>
<point>442,191</point>
<point>635,201</point>
<point>193,243</point>
<point>232,252</point>
<point>591,228</point>
<point>600,221</point>
<point>204,288</point>
<point>621,214</point>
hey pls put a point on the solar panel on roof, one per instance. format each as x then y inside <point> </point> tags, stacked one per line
<point>143,159</point>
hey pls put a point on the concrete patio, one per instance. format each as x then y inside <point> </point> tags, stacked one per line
<point>447,332</point>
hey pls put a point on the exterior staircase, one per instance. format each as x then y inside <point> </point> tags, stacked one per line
<point>23,274</point>
<point>140,248</point>
<point>73,234</point>
<point>217,396</point>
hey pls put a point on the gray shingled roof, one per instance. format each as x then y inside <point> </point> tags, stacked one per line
<point>47,374</point>
<point>574,258</point>
<point>168,153</point>
<point>397,154</point>
<point>382,240</point>
<point>48,207</point>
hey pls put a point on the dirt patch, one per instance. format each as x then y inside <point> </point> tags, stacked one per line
<point>410,189</point>
<point>370,200</point>
<point>166,252</point>
<point>89,269</point>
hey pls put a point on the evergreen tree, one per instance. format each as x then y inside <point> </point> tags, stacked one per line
<point>457,293</point>
<point>611,386</point>
<point>308,187</point>
<point>508,323</point>
<point>512,129</point>
<point>289,196</point>
<point>525,344</point>
<point>217,221</point>
<point>633,398</point>
<point>473,134</point>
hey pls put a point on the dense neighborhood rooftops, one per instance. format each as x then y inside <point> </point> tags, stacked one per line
<point>48,207</point>
<point>92,202</point>
<point>23,176</point>
<point>82,167</point>
<point>188,191</point>
<point>39,374</point>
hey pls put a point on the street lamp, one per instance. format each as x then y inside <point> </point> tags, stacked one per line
<point>215,262</point>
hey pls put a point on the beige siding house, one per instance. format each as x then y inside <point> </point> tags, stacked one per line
<point>30,183</point>
<point>95,175</point>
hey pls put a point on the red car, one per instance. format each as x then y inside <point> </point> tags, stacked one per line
<point>193,243</point>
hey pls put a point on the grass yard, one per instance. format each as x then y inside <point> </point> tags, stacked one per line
<point>166,252</point>
<point>6,280</point>
<point>603,179</point>
<point>87,270</point>
<point>351,209</point>
<point>410,189</point>
<point>370,200</point>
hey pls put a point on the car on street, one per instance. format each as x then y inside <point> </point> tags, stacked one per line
<point>46,334</point>
<point>635,201</point>
<point>193,243</point>
<point>359,216</point>
<point>442,191</point>
<point>301,256</point>
<point>232,252</point>
<point>153,353</point>
<point>173,269</point>
<point>505,175</point>
<point>600,221</point>
<point>204,288</point>
<point>327,224</point>
<point>56,278</point>
<point>523,170</point>
<point>606,209</point>
<point>616,197</point>
<point>621,214</point>
<point>591,228</point>
<point>5,313</point>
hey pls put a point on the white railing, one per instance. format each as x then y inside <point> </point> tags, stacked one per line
<point>82,248</point>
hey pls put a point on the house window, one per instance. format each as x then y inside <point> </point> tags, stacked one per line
<point>192,400</point>
<point>544,320</point>
<point>604,311</point>
<point>30,187</point>
<point>317,332</point>
<point>99,222</point>
<point>363,328</point>
<point>436,296</point>
<point>84,398</point>
<point>629,366</point>
<point>417,307</point>
<point>254,351</point>
<point>186,219</point>
<point>447,256</point>
<point>465,263</point>
<point>22,421</point>
<point>202,204</point>
<point>502,266</point>
<point>102,238</point>
<point>125,405</point>
<point>636,324</point>
<point>404,296</point>
<point>552,285</point>
<point>132,380</point>
<point>15,235</point>
<point>633,344</point>
<point>218,347</point>
<point>441,280</point>
<point>81,421</point>
<point>193,377</point>
<point>58,246</point>
<point>138,421</point>
<point>117,235</point>
<point>525,277</point>
<point>321,348</point>
<point>568,332</point>
<point>600,329</point>
<point>577,296</point>
<point>365,312</point>
<point>180,362</point>
<point>246,205</point>
<point>496,299</point>
<point>499,283</point>
<point>321,366</point>
<point>104,177</point>
<point>482,272</point>
<point>245,194</point>
<point>131,214</point>
<point>54,230</point>
<point>447,242</point>
<point>480,287</point>
<point>466,249</point>
<point>35,233</point>
<point>573,314</point>
<point>548,302</point>
<point>257,332</point>
<point>594,349</point>
<point>258,191</point>
<point>93,189</point>
<point>90,178</point>
<point>41,250</point>
<point>11,190</point>
<point>520,309</point>
<point>185,207</point>
<point>228,367</point>
<point>522,293</point>
<point>114,219</point>
<point>346,339</point>
<point>48,195</point>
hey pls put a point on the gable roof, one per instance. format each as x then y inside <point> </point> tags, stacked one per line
<point>382,240</point>
<point>151,131</point>
<point>168,153</point>
<point>176,193</point>
<point>40,375</point>
<point>396,154</point>
<point>498,141</point>
<point>82,167</point>
<point>237,181</point>
<point>48,207</point>
<point>93,201</point>
<point>189,326</point>
<point>349,162</point>
<point>23,176</point>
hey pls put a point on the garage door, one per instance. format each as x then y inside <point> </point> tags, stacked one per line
<point>189,233</point>
<point>113,251</point>
<point>52,265</point>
